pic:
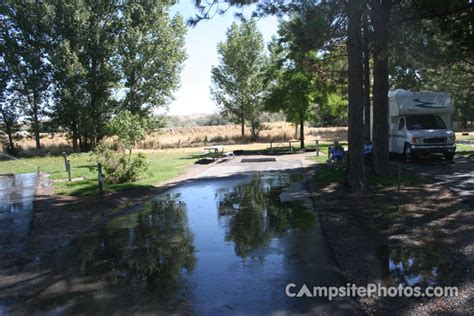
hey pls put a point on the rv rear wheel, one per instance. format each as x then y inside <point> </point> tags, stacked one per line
<point>448,156</point>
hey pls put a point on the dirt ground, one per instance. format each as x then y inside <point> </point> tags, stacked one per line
<point>430,230</point>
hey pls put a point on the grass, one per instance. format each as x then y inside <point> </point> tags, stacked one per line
<point>197,136</point>
<point>464,149</point>
<point>327,175</point>
<point>163,166</point>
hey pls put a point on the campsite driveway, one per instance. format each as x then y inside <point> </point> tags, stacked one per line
<point>457,175</point>
<point>227,240</point>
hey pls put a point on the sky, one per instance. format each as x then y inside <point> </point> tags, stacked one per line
<point>201,47</point>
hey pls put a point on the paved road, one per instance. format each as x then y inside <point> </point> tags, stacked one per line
<point>226,241</point>
<point>457,175</point>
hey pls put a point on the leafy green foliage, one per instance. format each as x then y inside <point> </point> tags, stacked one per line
<point>151,49</point>
<point>294,96</point>
<point>119,167</point>
<point>24,35</point>
<point>9,112</point>
<point>431,54</point>
<point>129,128</point>
<point>80,62</point>
<point>238,81</point>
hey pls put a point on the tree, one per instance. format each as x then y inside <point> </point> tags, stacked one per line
<point>8,110</point>
<point>120,167</point>
<point>151,55</point>
<point>355,172</point>
<point>294,95</point>
<point>9,125</point>
<point>129,128</point>
<point>238,80</point>
<point>434,53</point>
<point>380,17</point>
<point>69,94</point>
<point>25,36</point>
<point>366,53</point>
<point>99,30</point>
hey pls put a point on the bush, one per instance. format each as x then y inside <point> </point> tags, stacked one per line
<point>119,167</point>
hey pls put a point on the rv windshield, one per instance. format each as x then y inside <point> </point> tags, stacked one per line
<point>418,122</point>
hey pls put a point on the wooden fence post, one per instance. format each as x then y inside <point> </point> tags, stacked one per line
<point>65,160</point>
<point>68,169</point>
<point>317,147</point>
<point>101,180</point>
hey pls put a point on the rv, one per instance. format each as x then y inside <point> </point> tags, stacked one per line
<point>421,123</point>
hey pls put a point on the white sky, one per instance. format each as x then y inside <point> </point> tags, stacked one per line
<point>201,47</point>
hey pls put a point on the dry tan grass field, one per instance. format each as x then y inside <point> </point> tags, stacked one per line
<point>192,137</point>
<point>188,137</point>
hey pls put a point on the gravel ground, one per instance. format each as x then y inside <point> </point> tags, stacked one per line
<point>435,223</point>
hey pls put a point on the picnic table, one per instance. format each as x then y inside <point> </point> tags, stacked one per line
<point>216,152</point>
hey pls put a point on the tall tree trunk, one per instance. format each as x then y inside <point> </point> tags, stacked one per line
<point>380,14</point>
<point>74,138</point>
<point>242,121</point>
<point>302,133</point>
<point>36,124</point>
<point>366,54</point>
<point>355,172</point>
<point>9,130</point>
<point>11,143</point>
<point>81,143</point>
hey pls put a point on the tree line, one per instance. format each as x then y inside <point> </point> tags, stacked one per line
<point>78,63</point>
<point>350,51</point>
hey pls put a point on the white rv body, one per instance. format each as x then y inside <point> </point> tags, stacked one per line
<point>421,123</point>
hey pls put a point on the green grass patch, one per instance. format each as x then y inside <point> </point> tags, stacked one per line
<point>163,166</point>
<point>327,175</point>
<point>464,149</point>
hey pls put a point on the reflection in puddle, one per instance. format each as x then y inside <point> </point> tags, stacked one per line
<point>206,247</point>
<point>253,213</point>
<point>414,265</point>
<point>146,250</point>
<point>16,195</point>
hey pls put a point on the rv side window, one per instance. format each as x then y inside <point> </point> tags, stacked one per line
<point>401,125</point>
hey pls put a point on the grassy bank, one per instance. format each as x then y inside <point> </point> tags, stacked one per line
<point>163,166</point>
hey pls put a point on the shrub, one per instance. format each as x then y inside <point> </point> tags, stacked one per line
<point>119,167</point>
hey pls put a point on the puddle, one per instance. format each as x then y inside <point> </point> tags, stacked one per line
<point>207,247</point>
<point>16,195</point>
<point>414,265</point>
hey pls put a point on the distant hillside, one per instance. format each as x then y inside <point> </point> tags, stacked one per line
<point>189,117</point>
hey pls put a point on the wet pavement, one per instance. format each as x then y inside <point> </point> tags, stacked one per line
<point>16,213</point>
<point>227,245</point>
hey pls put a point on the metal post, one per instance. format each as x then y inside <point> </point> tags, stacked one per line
<point>68,168</point>
<point>290,146</point>
<point>101,180</point>
<point>65,160</point>
<point>317,147</point>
